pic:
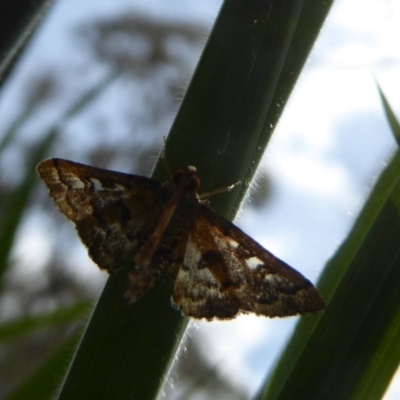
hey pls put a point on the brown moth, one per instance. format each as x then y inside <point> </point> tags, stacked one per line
<point>166,230</point>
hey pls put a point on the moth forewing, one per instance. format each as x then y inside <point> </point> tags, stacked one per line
<point>225,273</point>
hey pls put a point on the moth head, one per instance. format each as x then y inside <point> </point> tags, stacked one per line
<point>187,179</point>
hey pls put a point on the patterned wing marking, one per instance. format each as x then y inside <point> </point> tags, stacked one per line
<point>225,273</point>
<point>113,212</point>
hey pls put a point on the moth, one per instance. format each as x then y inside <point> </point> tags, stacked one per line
<point>167,230</point>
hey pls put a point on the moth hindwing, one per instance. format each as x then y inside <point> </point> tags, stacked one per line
<point>165,230</point>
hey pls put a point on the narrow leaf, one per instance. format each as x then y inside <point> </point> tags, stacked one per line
<point>245,75</point>
<point>390,115</point>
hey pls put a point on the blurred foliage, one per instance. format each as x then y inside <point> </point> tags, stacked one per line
<point>351,350</point>
<point>43,311</point>
<point>18,20</point>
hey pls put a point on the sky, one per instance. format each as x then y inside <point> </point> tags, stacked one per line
<point>334,120</point>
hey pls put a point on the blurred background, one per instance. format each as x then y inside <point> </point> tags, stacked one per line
<point>100,83</point>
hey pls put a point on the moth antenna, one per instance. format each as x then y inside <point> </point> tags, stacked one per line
<point>220,190</point>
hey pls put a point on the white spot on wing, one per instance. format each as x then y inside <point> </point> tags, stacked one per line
<point>97,186</point>
<point>275,279</point>
<point>254,262</point>
<point>192,256</point>
<point>233,243</point>
<point>76,183</point>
